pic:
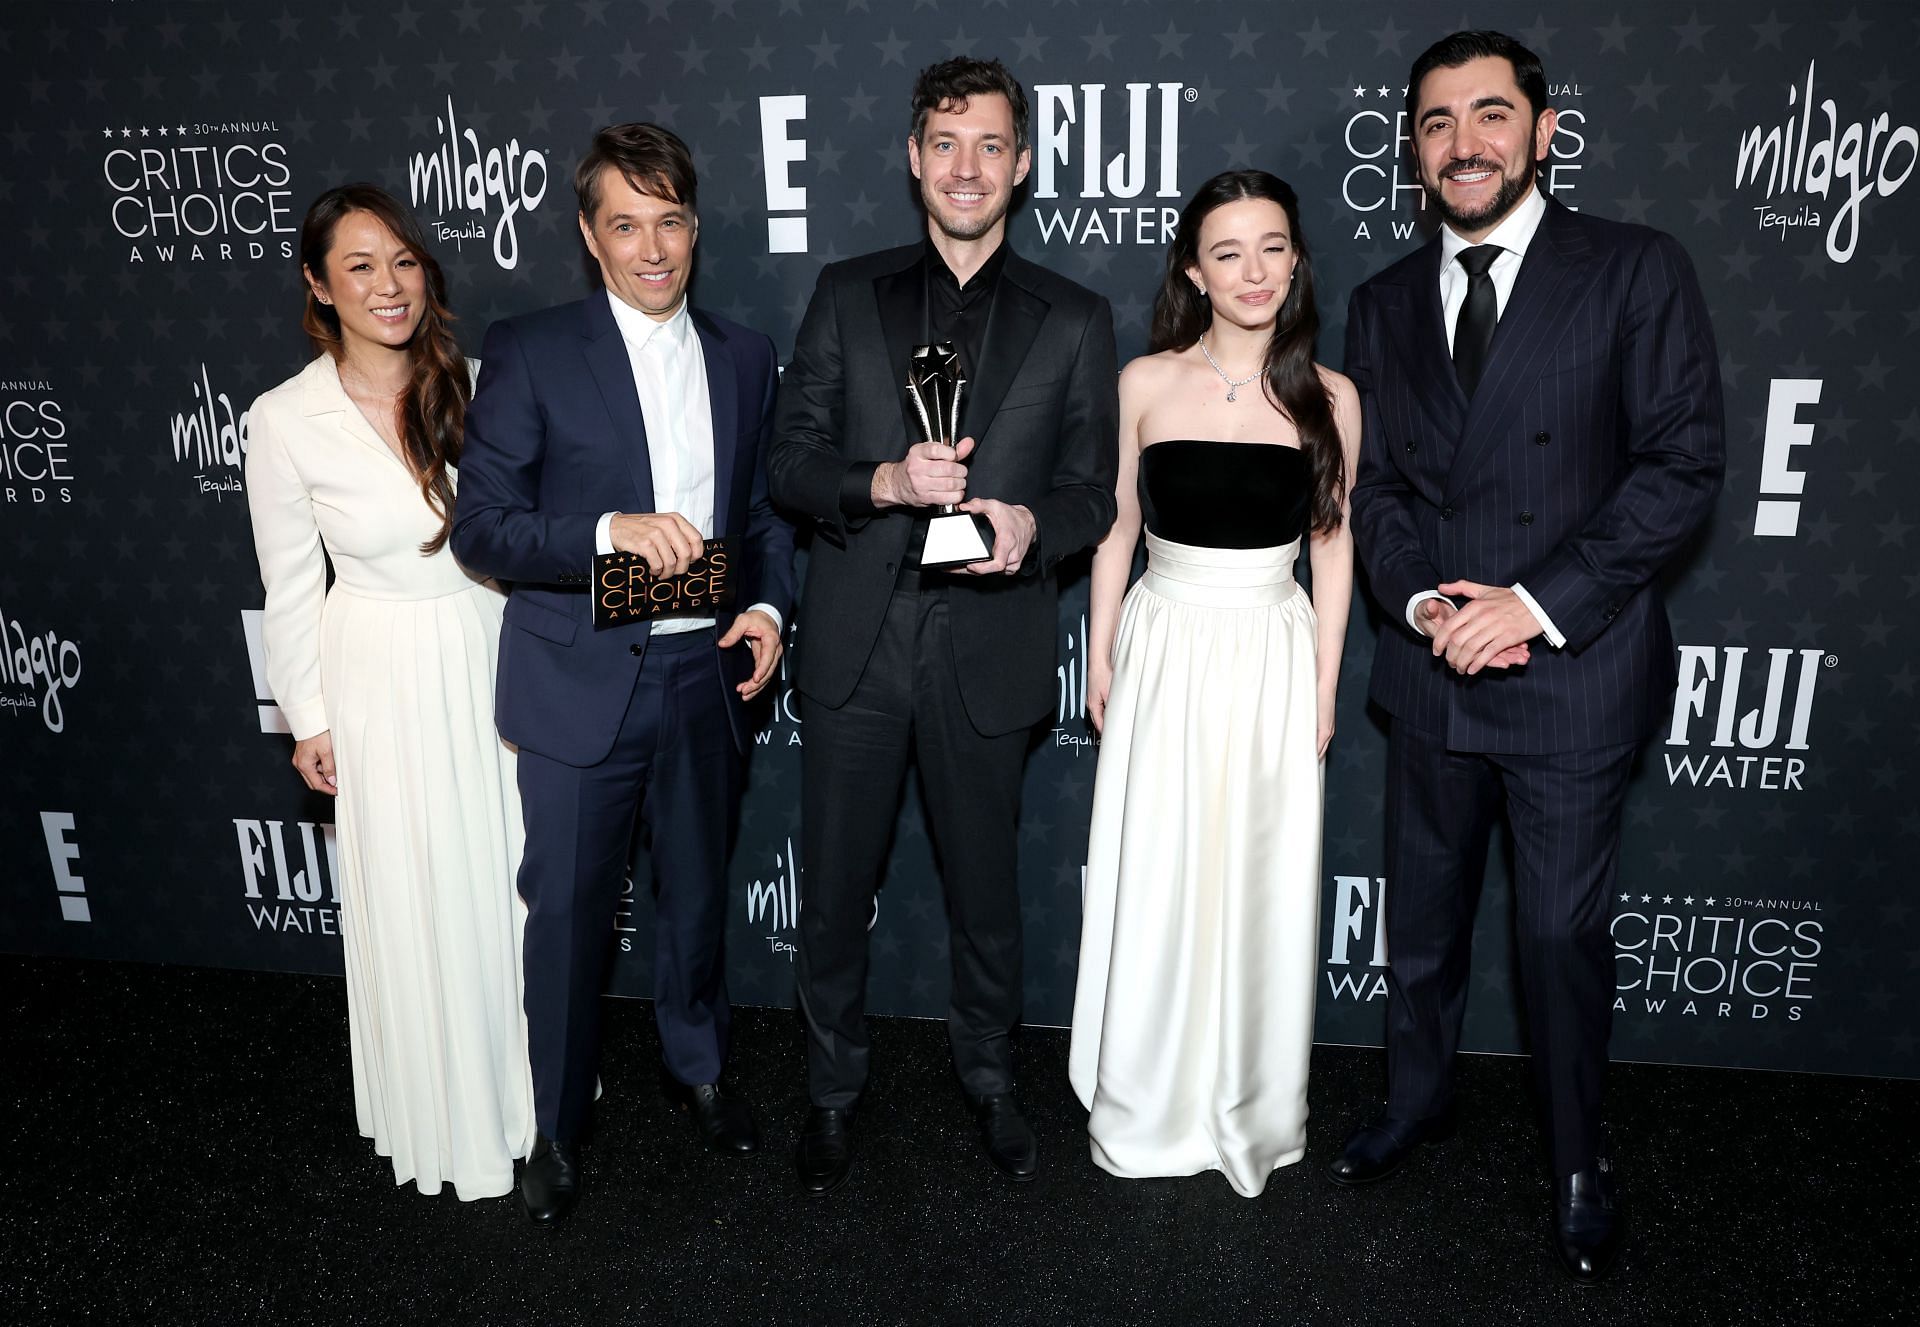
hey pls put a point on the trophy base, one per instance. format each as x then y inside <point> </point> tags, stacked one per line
<point>955,540</point>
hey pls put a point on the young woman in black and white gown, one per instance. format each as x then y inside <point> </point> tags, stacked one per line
<point>1213,683</point>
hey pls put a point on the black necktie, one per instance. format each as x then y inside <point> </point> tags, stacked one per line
<point>1474,332</point>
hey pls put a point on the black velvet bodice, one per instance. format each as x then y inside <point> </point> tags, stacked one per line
<point>1225,494</point>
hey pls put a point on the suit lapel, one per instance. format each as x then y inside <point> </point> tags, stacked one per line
<point>900,296</point>
<point>724,402</point>
<point>612,371</point>
<point>1012,323</point>
<point>1420,329</point>
<point>1554,277</point>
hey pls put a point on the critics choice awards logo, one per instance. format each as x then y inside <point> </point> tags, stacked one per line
<point>1381,186</point>
<point>477,192</point>
<point>1810,154</point>
<point>291,875</point>
<point>34,466</point>
<point>210,439</point>
<point>1689,957</point>
<point>194,192</point>
<point>36,667</point>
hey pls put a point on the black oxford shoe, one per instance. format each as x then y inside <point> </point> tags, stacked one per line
<point>550,1182</point>
<point>1007,1136</point>
<point>724,1123</point>
<point>1588,1229</point>
<point>1374,1151</point>
<point>825,1153</point>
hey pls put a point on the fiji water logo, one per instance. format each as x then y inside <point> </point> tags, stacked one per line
<point>459,176</point>
<point>1821,158</point>
<point>1071,130</point>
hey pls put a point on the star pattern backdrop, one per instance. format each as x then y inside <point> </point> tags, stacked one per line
<point>159,157</point>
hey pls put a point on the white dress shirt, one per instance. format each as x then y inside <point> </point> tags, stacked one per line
<point>670,372</point>
<point>1512,237</point>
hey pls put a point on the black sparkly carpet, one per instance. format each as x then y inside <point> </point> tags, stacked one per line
<point>180,1148</point>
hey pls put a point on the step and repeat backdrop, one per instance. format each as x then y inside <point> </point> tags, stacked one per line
<point>159,156</point>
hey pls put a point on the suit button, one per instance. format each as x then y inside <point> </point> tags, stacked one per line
<point>890,569</point>
<point>1542,438</point>
<point>1412,447</point>
<point>1613,611</point>
<point>1446,513</point>
<point>636,650</point>
<point>1526,518</point>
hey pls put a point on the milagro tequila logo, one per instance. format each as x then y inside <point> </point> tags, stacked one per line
<point>1382,184</point>
<point>459,176</point>
<point>1822,158</point>
<point>1072,728</point>
<point>774,902</point>
<point>1753,713</point>
<point>200,191</point>
<point>1072,127</point>
<point>281,866</point>
<point>34,467</point>
<point>34,670</point>
<point>211,438</point>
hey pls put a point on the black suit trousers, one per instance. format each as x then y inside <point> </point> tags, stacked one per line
<point>854,762</point>
<point>1564,809</point>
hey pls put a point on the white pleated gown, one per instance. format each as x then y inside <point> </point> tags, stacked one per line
<point>397,660</point>
<point>1193,1017</point>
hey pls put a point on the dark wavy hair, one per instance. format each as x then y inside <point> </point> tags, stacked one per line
<point>957,81</point>
<point>433,408</point>
<point>1182,314</point>
<point>1458,48</point>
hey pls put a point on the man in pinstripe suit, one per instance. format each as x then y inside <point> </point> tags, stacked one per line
<point>1543,433</point>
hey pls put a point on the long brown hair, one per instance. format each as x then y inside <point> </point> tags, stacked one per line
<point>1181,314</point>
<point>433,407</point>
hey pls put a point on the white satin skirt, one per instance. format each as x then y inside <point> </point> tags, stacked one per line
<point>1193,1016</point>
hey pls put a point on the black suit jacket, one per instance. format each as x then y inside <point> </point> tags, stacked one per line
<point>1045,415</point>
<point>1591,450</point>
<point>555,438</point>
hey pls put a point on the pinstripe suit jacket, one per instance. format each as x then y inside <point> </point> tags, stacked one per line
<point>1591,450</point>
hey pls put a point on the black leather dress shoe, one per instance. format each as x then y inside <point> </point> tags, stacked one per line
<point>1588,1229</point>
<point>724,1123</point>
<point>1374,1151</point>
<point>825,1153</point>
<point>1007,1136</point>
<point>550,1181</point>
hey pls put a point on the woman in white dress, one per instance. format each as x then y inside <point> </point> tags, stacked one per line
<point>1213,684</point>
<point>387,682</point>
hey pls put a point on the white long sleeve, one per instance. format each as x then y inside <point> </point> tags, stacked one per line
<point>293,569</point>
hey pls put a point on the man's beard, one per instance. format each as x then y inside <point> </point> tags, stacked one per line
<point>1512,190</point>
<point>967,226</point>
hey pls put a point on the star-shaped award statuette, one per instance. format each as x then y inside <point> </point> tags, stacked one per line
<point>935,385</point>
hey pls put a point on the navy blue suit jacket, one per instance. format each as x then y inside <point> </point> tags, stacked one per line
<point>1592,449</point>
<point>554,440</point>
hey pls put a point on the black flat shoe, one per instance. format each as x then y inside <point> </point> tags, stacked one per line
<point>1374,1151</point>
<point>724,1123</point>
<point>550,1182</point>
<point>1588,1229</point>
<point>1007,1136</point>
<point>825,1153</point>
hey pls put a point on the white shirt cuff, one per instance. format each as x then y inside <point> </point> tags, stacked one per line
<point>603,534</point>
<point>1547,629</point>
<point>1416,601</point>
<point>780,623</point>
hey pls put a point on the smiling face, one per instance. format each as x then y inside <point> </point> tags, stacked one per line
<point>644,245</point>
<point>374,283</point>
<point>1245,261</point>
<point>1478,143</point>
<point>967,165</point>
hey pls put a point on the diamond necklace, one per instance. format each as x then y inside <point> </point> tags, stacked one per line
<point>1233,385</point>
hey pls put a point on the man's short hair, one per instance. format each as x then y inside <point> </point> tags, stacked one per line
<point>1458,48</point>
<point>960,80</point>
<point>651,159</point>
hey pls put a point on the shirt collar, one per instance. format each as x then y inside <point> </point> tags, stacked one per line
<point>1513,235</point>
<point>983,279</point>
<point>636,329</point>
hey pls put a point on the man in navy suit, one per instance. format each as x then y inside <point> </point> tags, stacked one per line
<point>627,397</point>
<point>1543,433</point>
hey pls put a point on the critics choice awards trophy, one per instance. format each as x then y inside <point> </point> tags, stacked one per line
<point>935,385</point>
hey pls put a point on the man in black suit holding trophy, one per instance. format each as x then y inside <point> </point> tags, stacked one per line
<point>916,645</point>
